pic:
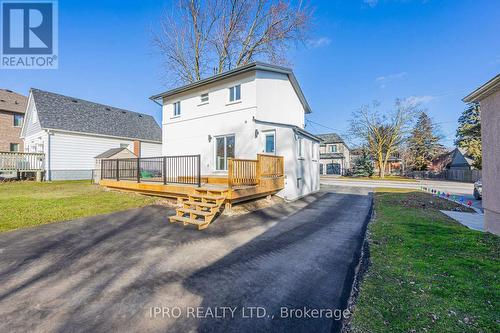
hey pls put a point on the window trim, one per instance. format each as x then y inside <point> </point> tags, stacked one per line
<point>225,136</point>
<point>14,120</point>
<point>300,148</point>
<point>18,147</point>
<point>175,114</point>
<point>235,100</point>
<point>266,134</point>
<point>202,102</point>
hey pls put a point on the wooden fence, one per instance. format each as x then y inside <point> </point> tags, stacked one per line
<point>24,162</point>
<point>244,172</point>
<point>468,176</point>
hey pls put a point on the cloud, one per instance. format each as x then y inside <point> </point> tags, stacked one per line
<point>319,42</point>
<point>416,100</point>
<point>383,80</point>
<point>371,3</point>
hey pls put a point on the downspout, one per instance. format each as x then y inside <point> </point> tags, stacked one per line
<point>49,176</point>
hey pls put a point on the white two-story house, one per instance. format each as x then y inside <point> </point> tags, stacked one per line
<point>253,109</point>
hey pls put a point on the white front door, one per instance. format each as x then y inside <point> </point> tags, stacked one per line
<point>224,149</point>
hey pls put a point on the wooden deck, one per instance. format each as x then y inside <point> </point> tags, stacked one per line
<point>235,194</point>
<point>202,197</point>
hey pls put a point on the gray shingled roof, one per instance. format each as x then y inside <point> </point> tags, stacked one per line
<point>110,152</point>
<point>11,101</point>
<point>76,115</point>
<point>330,138</point>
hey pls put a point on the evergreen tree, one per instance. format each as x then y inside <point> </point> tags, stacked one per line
<point>423,143</point>
<point>363,166</point>
<point>468,134</point>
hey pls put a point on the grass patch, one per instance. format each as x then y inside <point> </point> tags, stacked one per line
<point>428,273</point>
<point>28,204</point>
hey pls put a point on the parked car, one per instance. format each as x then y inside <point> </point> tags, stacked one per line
<point>478,189</point>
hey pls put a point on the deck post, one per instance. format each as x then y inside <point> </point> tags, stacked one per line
<point>102,169</point>
<point>138,169</point>
<point>230,170</point>
<point>258,168</point>
<point>117,169</point>
<point>198,158</point>
<point>164,170</point>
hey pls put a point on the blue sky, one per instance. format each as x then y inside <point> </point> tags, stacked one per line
<point>360,50</point>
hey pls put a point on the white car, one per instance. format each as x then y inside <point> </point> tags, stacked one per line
<point>478,189</point>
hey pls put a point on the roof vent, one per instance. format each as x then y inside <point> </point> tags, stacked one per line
<point>108,109</point>
<point>2,100</point>
<point>124,112</point>
<point>140,116</point>
<point>74,101</point>
<point>7,90</point>
<point>16,102</point>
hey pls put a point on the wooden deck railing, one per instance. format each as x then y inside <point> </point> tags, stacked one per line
<point>271,166</point>
<point>244,172</point>
<point>13,161</point>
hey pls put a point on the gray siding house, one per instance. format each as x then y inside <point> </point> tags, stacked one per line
<point>335,157</point>
<point>72,132</point>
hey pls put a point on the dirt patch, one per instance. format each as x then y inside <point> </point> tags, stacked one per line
<point>253,205</point>
<point>424,201</point>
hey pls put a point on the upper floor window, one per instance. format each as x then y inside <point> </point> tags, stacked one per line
<point>204,98</point>
<point>14,147</point>
<point>235,93</point>
<point>332,148</point>
<point>18,120</point>
<point>177,109</point>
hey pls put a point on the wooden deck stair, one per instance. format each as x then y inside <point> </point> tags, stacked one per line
<point>201,207</point>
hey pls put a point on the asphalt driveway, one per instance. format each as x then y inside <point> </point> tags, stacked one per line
<point>133,271</point>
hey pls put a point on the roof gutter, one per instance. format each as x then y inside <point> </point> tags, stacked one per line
<point>293,127</point>
<point>483,91</point>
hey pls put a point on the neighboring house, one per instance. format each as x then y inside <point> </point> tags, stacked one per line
<point>394,166</point>
<point>459,160</point>
<point>488,96</point>
<point>12,108</point>
<point>335,157</point>
<point>253,109</point>
<point>440,162</point>
<point>72,132</point>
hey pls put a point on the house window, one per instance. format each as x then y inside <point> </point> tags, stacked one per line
<point>270,143</point>
<point>333,148</point>
<point>300,147</point>
<point>177,109</point>
<point>18,120</point>
<point>224,149</point>
<point>14,147</point>
<point>204,98</point>
<point>235,93</point>
<point>124,145</point>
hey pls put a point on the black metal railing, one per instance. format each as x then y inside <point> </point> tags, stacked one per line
<point>184,169</point>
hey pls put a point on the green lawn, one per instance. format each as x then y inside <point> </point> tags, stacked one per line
<point>428,273</point>
<point>27,204</point>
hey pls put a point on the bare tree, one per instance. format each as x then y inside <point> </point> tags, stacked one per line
<point>203,37</point>
<point>383,133</point>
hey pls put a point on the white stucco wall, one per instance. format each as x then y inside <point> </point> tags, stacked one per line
<point>268,98</point>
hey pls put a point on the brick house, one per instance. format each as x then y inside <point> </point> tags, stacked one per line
<point>12,108</point>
